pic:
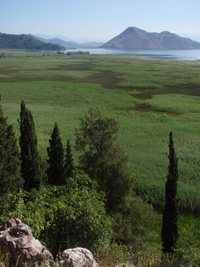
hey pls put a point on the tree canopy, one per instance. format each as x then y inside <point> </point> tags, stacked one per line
<point>170,215</point>
<point>55,171</point>
<point>10,180</point>
<point>30,159</point>
<point>64,216</point>
<point>103,158</point>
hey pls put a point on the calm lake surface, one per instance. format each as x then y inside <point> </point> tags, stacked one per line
<point>162,54</point>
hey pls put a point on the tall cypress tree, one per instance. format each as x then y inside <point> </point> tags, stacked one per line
<point>30,159</point>
<point>10,180</point>
<point>23,111</point>
<point>68,165</point>
<point>55,171</point>
<point>170,215</point>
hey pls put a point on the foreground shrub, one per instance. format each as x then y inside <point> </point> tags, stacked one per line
<point>132,224</point>
<point>63,216</point>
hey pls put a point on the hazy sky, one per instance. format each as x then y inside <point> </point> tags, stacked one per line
<point>99,19</point>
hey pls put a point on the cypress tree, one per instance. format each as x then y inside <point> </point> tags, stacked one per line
<point>30,159</point>
<point>10,180</point>
<point>55,171</point>
<point>170,215</point>
<point>23,111</point>
<point>68,165</point>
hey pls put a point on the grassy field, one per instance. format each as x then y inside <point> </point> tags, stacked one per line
<point>148,97</point>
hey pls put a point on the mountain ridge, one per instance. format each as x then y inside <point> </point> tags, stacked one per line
<point>135,38</point>
<point>68,44</point>
<point>25,41</point>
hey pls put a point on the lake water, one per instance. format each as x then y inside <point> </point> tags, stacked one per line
<point>162,54</point>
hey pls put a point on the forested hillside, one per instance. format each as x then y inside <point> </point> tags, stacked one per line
<point>24,41</point>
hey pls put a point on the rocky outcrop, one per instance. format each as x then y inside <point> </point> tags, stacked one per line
<point>78,257</point>
<point>17,241</point>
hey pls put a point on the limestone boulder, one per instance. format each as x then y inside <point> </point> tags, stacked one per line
<point>17,241</point>
<point>78,257</point>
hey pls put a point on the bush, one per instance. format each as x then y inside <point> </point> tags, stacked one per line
<point>64,216</point>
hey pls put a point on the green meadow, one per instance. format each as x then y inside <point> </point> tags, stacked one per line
<point>149,98</point>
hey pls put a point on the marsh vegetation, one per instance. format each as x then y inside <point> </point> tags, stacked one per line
<point>148,97</point>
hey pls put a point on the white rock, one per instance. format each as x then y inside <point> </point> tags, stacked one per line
<point>16,238</point>
<point>78,257</point>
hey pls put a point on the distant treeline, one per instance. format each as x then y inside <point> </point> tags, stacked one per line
<point>5,55</point>
<point>77,53</point>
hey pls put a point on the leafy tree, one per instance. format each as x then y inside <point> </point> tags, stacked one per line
<point>68,164</point>
<point>30,159</point>
<point>79,217</point>
<point>55,171</point>
<point>64,216</point>
<point>170,215</point>
<point>105,162</point>
<point>103,158</point>
<point>10,180</point>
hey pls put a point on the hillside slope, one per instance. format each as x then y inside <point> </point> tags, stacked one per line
<point>24,41</point>
<point>134,38</point>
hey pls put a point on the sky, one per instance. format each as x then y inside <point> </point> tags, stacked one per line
<point>99,20</point>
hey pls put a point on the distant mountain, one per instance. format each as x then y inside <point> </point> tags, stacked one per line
<point>69,44</point>
<point>64,38</point>
<point>91,44</point>
<point>58,36</point>
<point>134,38</point>
<point>24,41</point>
<point>66,44</point>
<point>194,37</point>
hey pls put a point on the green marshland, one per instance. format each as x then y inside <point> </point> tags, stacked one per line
<point>149,98</point>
